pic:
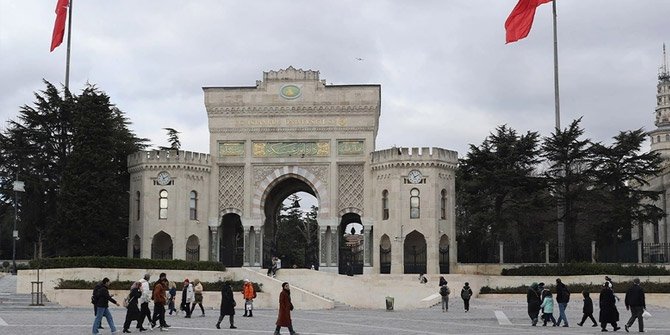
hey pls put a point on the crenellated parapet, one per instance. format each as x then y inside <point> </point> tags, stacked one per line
<point>168,159</point>
<point>413,157</point>
<point>291,73</point>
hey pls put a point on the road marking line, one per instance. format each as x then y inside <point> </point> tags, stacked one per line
<point>502,318</point>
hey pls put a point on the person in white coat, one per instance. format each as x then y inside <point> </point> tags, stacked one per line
<point>190,298</point>
<point>144,303</point>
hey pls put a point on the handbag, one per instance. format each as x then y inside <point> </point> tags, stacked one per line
<point>126,301</point>
<point>646,314</point>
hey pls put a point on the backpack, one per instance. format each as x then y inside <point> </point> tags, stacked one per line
<point>444,291</point>
<point>465,294</point>
<point>94,296</point>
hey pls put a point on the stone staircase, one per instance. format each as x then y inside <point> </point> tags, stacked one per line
<point>371,290</point>
<point>10,300</point>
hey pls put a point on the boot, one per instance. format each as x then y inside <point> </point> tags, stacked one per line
<point>218,325</point>
<point>251,314</point>
<point>245,313</point>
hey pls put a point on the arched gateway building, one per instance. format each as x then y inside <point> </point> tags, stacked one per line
<point>291,132</point>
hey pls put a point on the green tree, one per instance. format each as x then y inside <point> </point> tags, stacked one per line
<point>173,139</point>
<point>569,175</point>
<point>498,195</point>
<point>620,169</point>
<point>61,148</point>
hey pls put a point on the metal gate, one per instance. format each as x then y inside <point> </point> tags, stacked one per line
<point>415,259</point>
<point>444,260</point>
<point>384,260</point>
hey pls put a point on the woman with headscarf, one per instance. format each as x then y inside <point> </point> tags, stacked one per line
<point>227,306</point>
<point>608,310</point>
<point>534,301</point>
<point>285,308</point>
<point>133,312</point>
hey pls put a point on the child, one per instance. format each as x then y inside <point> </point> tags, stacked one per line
<point>547,308</point>
<point>588,309</point>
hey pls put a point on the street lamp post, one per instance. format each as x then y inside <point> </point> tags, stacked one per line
<point>18,187</point>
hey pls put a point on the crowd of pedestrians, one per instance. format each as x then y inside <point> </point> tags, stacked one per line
<point>540,303</point>
<point>163,294</point>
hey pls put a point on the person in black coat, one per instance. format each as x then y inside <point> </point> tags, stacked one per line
<point>587,309</point>
<point>132,312</point>
<point>227,306</point>
<point>636,304</point>
<point>608,311</point>
<point>533,299</point>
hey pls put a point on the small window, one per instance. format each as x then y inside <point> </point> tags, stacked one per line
<point>163,205</point>
<point>443,205</point>
<point>193,206</point>
<point>414,204</point>
<point>137,205</point>
<point>385,205</point>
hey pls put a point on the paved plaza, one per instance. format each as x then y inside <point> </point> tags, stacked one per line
<point>486,316</point>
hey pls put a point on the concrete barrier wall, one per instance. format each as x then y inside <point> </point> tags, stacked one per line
<point>269,298</point>
<point>310,289</point>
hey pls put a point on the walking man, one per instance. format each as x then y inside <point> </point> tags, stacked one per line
<point>635,303</point>
<point>562,298</point>
<point>102,299</point>
<point>466,294</point>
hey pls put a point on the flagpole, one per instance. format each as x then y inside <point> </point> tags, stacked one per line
<point>560,210</point>
<point>556,99</point>
<point>69,34</point>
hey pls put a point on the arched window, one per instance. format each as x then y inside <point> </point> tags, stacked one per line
<point>193,206</point>
<point>137,205</point>
<point>385,205</point>
<point>163,204</point>
<point>414,204</point>
<point>443,205</point>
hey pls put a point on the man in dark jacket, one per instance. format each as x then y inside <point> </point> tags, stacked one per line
<point>101,297</point>
<point>160,298</point>
<point>562,298</point>
<point>635,303</point>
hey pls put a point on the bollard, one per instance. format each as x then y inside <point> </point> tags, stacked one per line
<point>389,303</point>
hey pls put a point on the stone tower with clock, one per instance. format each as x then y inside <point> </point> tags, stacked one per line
<point>293,133</point>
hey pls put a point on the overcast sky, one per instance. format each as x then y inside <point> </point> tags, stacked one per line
<point>447,77</point>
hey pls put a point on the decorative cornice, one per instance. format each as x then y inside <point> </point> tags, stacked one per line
<point>413,164</point>
<point>168,167</point>
<point>291,129</point>
<point>294,110</point>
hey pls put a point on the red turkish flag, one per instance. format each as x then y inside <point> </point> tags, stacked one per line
<point>59,26</point>
<point>521,19</point>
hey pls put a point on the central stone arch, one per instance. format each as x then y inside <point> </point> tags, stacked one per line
<point>274,189</point>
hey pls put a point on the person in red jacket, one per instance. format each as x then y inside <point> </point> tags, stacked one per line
<point>160,299</point>
<point>285,308</point>
<point>249,295</point>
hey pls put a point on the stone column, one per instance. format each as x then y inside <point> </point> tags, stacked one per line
<point>214,246</point>
<point>546,252</point>
<point>593,252</point>
<point>324,253</point>
<point>247,247</point>
<point>258,251</point>
<point>500,249</point>
<point>367,245</point>
<point>639,251</point>
<point>334,246</point>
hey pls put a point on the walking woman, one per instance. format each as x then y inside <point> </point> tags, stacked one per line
<point>133,312</point>
<point>227,306</point>
<point>197,301</point>
<point>534,301</point>
<point>608,311</point>
<point>285,308</point>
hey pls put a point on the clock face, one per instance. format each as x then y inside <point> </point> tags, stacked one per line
<point>414,176</point>
<point>163,178</point>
